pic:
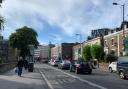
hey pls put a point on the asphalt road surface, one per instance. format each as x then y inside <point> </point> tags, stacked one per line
<point>61,79</point>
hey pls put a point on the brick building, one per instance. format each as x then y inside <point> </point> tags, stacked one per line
<point>114,41</point>
<point>64,50</point>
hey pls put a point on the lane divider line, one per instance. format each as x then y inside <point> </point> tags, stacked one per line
<point>85,81</point>
<point>46,80</point>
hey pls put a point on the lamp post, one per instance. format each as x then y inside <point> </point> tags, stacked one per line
<point>122,5</point>
<point>80,38</point>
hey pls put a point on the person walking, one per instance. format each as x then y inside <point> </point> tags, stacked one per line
<point>25,64</point>
<point>20,65</point>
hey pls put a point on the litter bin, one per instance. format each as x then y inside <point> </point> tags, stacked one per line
<point>30,64</point>
<point>30,67</point>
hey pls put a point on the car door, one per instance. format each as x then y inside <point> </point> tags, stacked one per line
<point>115,66</point>
<point>125,66</point>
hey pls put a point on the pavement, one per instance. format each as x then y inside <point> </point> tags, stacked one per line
<point>28,80</point>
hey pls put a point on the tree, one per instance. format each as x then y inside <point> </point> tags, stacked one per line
<point>86,54</point>
<point>1,19</point>
<point>97,52</point>
<point>111,56</point>
<point>22,38</point>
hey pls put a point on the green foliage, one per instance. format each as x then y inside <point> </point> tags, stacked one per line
<point>97,52</point>
<point>1,23</point>
<point>110,58</point>
<point>86,54</point>
<point>22,38</point>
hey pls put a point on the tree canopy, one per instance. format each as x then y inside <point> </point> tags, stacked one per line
<point>22,38</point>
<point>86,54</point>
<point>97,51</point>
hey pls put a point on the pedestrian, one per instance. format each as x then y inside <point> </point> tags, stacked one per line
<point>20,65</point>
<point>26,64</point>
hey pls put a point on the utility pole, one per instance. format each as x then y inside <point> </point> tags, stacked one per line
<point>80,38</point>
<point>123,13</point>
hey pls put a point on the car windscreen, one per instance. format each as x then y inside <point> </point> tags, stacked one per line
<point>123,60</point>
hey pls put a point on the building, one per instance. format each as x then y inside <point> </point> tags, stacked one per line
<point>113,42</point>
<point>36,53</point>
<point>76,51</point>
<point>63,51</point>
<point>44,51</point>
<point>92,41</point>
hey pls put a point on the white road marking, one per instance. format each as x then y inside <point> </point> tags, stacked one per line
<point>48,83</point>
<point>85,81</point>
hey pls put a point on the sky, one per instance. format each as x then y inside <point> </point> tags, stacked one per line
<point>59,21</point>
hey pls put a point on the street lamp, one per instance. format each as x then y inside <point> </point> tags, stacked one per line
<point>122,5</point>
<point>80,37</point>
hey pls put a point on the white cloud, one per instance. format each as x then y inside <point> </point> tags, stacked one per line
<point>73,16</point>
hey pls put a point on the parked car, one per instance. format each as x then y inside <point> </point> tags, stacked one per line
<point>64,64</point>
<point>112,67</point>
<point>55,62</point>
<point>80,67</point>
<point>122,67</point>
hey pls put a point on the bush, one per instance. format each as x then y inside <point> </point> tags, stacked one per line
<point>110,58</point>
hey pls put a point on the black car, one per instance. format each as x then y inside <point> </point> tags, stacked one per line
<point>122,67</point>
<point>81,67</point>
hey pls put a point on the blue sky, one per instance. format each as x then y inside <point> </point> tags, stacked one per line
<point>59,20</point>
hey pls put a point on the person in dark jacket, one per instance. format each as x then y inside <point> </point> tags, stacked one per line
<point>25,64</point>
<point>20,65</point>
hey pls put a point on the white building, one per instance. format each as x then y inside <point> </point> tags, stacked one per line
<point>44,51</point>
<point>37,53</point>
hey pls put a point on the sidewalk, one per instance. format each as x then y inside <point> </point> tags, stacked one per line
<point>29,80</point>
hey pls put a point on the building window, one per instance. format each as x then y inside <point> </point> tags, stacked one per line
<point>112,51</point>
<point>112,42</point>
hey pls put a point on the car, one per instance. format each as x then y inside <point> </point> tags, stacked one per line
<point>55,62</point>
<point>122,67</point>
<point>81,67</point>
<point>112,67</point>
<point>64,64</point>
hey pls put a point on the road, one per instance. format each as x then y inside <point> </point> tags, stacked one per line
<point>61,79</point>
<point>48,77</point>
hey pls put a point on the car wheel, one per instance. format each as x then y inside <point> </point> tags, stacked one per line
<point>122,75</point>
<point>58,67</point>
<point>77,71</point>
<point>110,70</point>
<point>61,67</point>
<point>71,69</point>
<point>90,72</point>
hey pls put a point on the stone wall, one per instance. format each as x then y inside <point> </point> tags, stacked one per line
<point>104,66</point>
<point>7,66</point>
